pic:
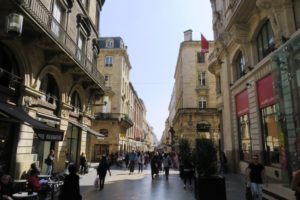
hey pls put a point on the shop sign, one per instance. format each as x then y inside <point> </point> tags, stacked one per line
<point>50,137</point>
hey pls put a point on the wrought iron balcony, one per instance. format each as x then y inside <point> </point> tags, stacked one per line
<point>198,111</point>
<point>44,18</point>
<point>115,116</point>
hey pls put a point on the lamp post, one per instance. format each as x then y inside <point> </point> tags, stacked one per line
<point>171,130</point>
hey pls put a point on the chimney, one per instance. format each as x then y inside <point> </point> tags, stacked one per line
<point>188,35</point>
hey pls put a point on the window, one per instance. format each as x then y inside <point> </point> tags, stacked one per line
<point>202,103</point>
<point>271,129</point>
<point>81,46</point>
<point>218,84</point>
<point>109,43</point>
<point>50,90</point>
<point>75,102</point>
<point>245,139</point>
<point>85,4</point>
<point>108,61</point>
<point>265,41</point>
<point>107,81</point>
<point>57,18</point>
<point>240,66</point>
<point>73,141</point>
<point>202,78</point>
<point>200,57</point>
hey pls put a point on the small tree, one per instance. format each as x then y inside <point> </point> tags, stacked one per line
<point>205,157</point>
<point>185,154</point>
<point>184,149</point>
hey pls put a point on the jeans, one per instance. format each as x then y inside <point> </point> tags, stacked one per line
<point>256,189</point>
<point>49,169</point>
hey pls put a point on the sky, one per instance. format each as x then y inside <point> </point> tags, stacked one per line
<point>153,31</point>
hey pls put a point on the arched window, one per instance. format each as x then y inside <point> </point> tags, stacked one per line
<point>50,90</point>
<point>75,102</point>
<point>240,66</point>
<point>9,74</point>
<point>265,40</point>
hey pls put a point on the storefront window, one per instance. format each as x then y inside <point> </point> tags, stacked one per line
<point>72,142</point>
<point>270,129</point>
<point>245,139</point>
<point>6,146</point>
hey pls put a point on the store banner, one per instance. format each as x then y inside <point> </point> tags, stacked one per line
<point>242,103</point>
<point>265,92</point>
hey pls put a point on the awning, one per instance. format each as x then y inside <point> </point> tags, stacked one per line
<point>87,129</point>
<point>43,131</point>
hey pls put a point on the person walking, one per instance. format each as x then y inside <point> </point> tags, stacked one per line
<point>70,188</point>
<point>296,184</point>
<point>188,172</point>
<point>167,164</point>
<point>49,162</point>
<point>132,159</point>
<point>141,161</point>
<point>154,165</point>
<point>102,169</point>
<point>82,163</point>
<point>256,176</point>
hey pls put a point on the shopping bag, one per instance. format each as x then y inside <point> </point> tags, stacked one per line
<point>96,182</point>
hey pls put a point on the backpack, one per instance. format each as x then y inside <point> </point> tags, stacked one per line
<point>48,161</point>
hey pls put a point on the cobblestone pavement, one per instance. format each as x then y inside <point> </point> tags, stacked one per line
<point>137,186</point>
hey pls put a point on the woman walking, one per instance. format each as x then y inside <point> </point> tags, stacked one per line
<point>102,170</point>
<point>167,164</point>
<point>141,160</point>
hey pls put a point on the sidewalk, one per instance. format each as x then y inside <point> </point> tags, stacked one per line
<point>235,184</point>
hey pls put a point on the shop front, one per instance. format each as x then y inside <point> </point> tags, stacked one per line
<point>12,119</point>
<point>243,124</point>
<point>272,134</point>
<point>286,64</point>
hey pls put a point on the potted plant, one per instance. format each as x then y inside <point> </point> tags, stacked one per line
<point>208,184</point>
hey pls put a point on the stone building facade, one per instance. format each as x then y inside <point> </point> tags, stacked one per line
<point>48,81</point>
<point>194,100</point>
<point>253,60</point>
<point>121,114</point>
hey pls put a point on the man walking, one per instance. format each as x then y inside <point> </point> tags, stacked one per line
<point>256,176</point>
<point>102,170</point>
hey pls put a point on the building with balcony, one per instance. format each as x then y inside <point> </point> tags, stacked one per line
<point>49,81</point>
<point>121,113</point>
<point>194,112</point>
<point>255,62</point>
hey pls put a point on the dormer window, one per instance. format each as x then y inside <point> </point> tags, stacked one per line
<point>109,43</point>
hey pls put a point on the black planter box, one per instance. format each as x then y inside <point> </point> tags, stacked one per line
<point>210,188</point>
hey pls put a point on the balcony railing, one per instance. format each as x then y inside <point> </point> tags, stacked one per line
<point>113,116</point>
<point>37,10</point>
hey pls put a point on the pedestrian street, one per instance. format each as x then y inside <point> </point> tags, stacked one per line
<point>122,186</point>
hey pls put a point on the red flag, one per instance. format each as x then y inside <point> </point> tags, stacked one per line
<point>204,44</point>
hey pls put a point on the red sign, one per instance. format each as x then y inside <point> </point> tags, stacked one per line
<point>242,103</point>
<point>265,92</point>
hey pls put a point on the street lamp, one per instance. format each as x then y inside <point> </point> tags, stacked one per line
<point>14,24</point>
